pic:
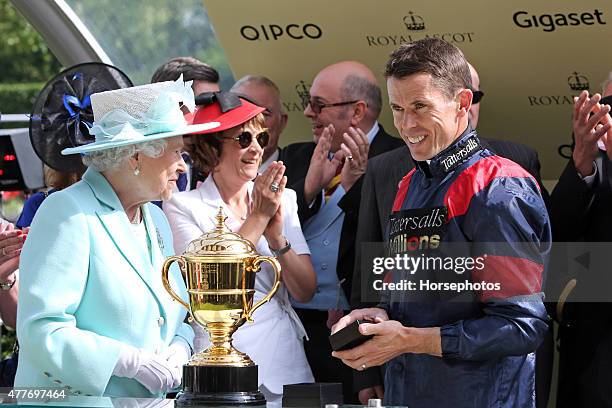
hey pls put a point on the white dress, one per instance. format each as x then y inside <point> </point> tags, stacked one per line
<point>274,341</point>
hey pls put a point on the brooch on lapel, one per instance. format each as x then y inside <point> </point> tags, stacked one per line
<point>160,240</point>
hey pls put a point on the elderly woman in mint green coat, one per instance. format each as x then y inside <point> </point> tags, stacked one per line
<point>93,317</point>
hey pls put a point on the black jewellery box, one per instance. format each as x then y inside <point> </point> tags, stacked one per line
<point>320,394</point>
<point>349,337</point>
<point>309,395</point>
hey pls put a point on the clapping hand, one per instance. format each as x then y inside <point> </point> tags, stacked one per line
<point>11,242</point>
<point>356,148</point>
<point>274,230</point>
<point>590,122</point>
<point>322,170</point>
<point>267,191</point>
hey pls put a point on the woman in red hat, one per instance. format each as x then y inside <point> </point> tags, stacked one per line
<point>262,211</point>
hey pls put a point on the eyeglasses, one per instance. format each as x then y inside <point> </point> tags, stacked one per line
<point>245,139</point>
<point>317,106</point>
<point>477,96</point>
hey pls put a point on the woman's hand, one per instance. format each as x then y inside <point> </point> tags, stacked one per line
<point>266,199</point>
<point>153,371</point>
<point>11,242</point>
<point>274,230</point>
<point>265,204</point>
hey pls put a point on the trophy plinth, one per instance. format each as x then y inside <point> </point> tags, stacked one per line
<point>220,385</point>
<point>220,269</point>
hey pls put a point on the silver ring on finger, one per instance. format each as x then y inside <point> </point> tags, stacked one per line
<point>349,157</point>
<point>363,366</point>
<point>274,187</point>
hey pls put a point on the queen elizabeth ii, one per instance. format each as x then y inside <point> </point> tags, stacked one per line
<point>93,317</point>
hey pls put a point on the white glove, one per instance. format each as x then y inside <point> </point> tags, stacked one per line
<point>151,370</point>
<point>177,355</point>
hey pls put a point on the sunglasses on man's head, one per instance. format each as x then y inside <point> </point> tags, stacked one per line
<point>477,96</point>
<point>245,139</point>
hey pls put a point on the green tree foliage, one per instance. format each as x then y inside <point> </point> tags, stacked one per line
<point>18,98</point>
<point>26,63</point>
<point>140,35</point>
<point>24,56</point>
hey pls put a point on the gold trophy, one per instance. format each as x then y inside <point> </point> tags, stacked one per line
<point>220,269</point>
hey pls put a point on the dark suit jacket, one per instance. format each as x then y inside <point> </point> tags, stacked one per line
<point>378,193</point>
<point>582,213</point>
<point>296,158</point>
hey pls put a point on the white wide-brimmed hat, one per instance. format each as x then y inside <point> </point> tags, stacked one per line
<point>140,114</point>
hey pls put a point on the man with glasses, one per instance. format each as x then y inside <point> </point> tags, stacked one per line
<point>263,92</point>
<point>345,102</point>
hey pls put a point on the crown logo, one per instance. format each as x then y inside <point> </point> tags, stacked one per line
<point>414,22</point>
<point>303,92</point>
<point>578,82</point>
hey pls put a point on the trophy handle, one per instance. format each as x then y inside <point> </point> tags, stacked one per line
<point>277,280</point>
<point>166,282</point>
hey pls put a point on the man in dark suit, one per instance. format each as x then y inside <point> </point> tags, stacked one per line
<point>581,211</point>
<point>378,193</point>
<point>345,102</point>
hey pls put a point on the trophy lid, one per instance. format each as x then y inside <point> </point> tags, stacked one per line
<point>220,242</point>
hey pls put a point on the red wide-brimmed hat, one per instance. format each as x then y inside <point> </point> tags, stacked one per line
<point>227,108</point>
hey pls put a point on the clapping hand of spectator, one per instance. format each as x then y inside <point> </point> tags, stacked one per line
<point>11,242</point>
<point>356,148</point>
<point>322,170</point>
<point>590,122</point>
<point>267,191</point>
<point>265,202</point>
<point>274,230</point>
<point>606,123</point>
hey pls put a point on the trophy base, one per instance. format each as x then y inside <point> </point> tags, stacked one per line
<point>219,386</point>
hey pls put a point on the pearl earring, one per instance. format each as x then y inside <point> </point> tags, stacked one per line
<point>136,171</point>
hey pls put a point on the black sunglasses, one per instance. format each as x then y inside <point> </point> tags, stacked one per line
<point>477,96</point>
<point>317,106</point>
<point>245,139</point>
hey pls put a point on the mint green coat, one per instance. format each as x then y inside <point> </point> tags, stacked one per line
<point>87,286</point>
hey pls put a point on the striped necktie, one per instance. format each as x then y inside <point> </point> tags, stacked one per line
<point>333,184</point>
